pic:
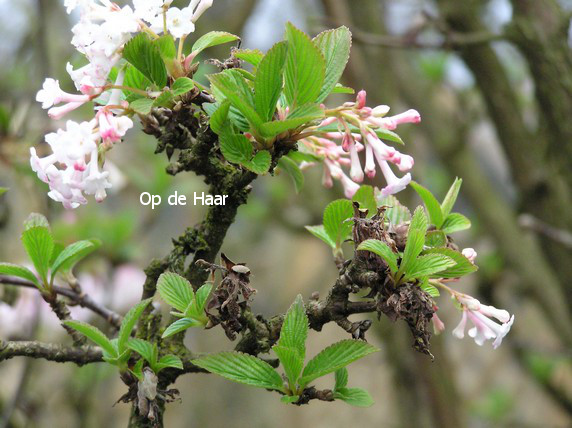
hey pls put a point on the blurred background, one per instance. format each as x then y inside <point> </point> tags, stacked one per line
<point>493,83</point>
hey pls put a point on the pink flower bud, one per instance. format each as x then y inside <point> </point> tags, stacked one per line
<point>360,99</point>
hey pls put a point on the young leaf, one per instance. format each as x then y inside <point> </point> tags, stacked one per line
<point>175,290</point>
<point>341,89</point>
<point>94,334</point>
<point>335,47</point>
<point>429,288</point>
<point>36,220</point>
<point>366,199</point>
<point>415,240</point>
<point>341,376</point>
<point>432,205</point>
<point>268,81</point>
<point>451,197</point>
<point>166,45</point>
<point>219,116</point>
<point>462,267</point>
<point>427,265</point>
<point>334,357</point>
<point>73,253</point>
<point>181,86</point>
<point>289,398</point>
<point>128,324</point>
<point>180,325</point>
<point>354,396</point>
<point>320,232</point>
<point>39,245</point>
<point>169,361</point>
<point>213,38</point>
<point>135,79</point>
<point>138,369</point>
<point>455,222</point>
<point>295,327</point>
<point>335,224</point>
<point>436,238</point>
<point>145,349</point>
<point>242,368</point>
<point>201,299</point>
<point>260,163</point>
<point>235,148</point>
<point>305,68</point>
<point>145,57</point>
<point>292,362</point>
<point>142,105</point>
<point>18,271</point>
<point>396,213</point>
<point>382,250</point>
<point>251,56</point>
<point>293,170</point>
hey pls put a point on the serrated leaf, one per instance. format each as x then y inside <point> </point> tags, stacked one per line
<point>180,325</point>
<point>292,362</point>
<point>135,79</point>
<point>94,334</point>
<point>269,80</point>
<point>145,57</point>
<point>236,148</point>
<point>145,349</point>
<point>277,127</point>
<point>219,117</point>
<point>427,265</point>
<point>431,203</point>
<point>382,250</point>
<point>260,163</point>
<point>305,68</point>
<point>166,45</point>
<point>175,290</point>
<point>341,377</point>
<point>462,267</point>
<point>289,398</point>
<point>334,357</point>
<point>354,396</point>
<point>201,298</point>
<point>36,220</point>
<point>73,253</point>
<point>18,271</point>
<point>341,89</point>
<point>39,244</point>
<point>138,369</point>
<point>336,225</point>
<point>436,238</point>
<point>397,213</point>
<point>335,46</point>
<point>415,240</point>
<point>213,38</point>
<point>165,99</point>
<point>366,199</point>
<point>128,324</point>
<point>293,170</point>
<point>251,56</point>
<point>142,105</point>
<point>294,329</point>
<point>320,232</point>
<point>455,222</point>
<point>242,368</point>
<point>451,197</point>
<point>169,361</point>
<point>181,86</point>
<point>429,289</point>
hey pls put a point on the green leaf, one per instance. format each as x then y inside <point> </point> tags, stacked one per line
<point>145,349</point>
<point>260,163</point>
<point>305,68</point>
<point>201,298</point>
<point>429,288</point>
<point>175,290</point>
<point>463,265</point>
<point>335,47</point>
<point>146,57</point>
<point>277,127</point>
<point>382,250</point>
<point>451,197</point>
<point>268,81</point>
<point>396,214</point>
<point>415,240</point>
<point>213,38</point>
<point>293,170</point>
<point>251,56</point>
<point>299,156</point>
<point>142,105</point>
<point>436,238</point>
<point>334,357</point>
<point>235,148</point>
<point>294,329</point>
<point>320,232</point>
<point>289,398</point>
<point>169,361</point>
<point>428,264</point>
<point>455,222</point>
<point>335,224</point>
<point>382,133</point>
<point>354,396</point>
<point>431,203</point>
<point>39,244</point>
<point>341,89</point>
<point>73,253</point>
<point>292,362</point>
<point>165,99</point>
<point>366,199</point>
<point>128,324</point>
<point>166,45</point>
<point>94,334</point>
<point>341,376</point>
<point>35,220</point>
<point>19,271</point>
<point>180,325</point>
<point>181,86</point>
<point>242,368</point>
<point>138,369</point>
<point>219,117</point>
<point>135,79</point>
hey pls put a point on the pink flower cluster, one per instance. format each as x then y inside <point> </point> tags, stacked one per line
<point>357,125</point>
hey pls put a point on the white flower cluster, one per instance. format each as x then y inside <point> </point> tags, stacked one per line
<point>74,167</point>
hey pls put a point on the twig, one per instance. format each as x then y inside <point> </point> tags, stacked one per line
<point>530,222</point>
<point>83,300</point>
<point>51,352</point>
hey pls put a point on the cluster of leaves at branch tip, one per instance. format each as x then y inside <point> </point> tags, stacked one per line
<point>291,352</point>
<point>428,252</point>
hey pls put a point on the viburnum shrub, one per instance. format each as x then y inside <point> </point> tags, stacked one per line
<point>260,114</point>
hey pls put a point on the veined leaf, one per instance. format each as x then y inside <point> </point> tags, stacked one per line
<point>303,115</point>
<point>235,148</point>
<point>269,80</point>
<point>18,271</point>
<point>166,45</point>
<point>169,361</point>
<point>294,329</point>
<point>451,197</point>
<point>175,290</point>
<point>354,396</point>
<point>180,325</point>
<point>462,267</point>
<point>145,349</point>
<point>200,301</point>
<point>39,244</point>
<point>219,116</point>
<point>341,376</point>
<point>293,170</point>
<point>142,105</point>
<point>427,265</point>
<point>336,225</point>
<point>128,324</point>
<point>455,222</point>
<point>292,362</point>
<point>431,203</point>
<point>366,199</point>
<point>73,253</point>
<point>242,368</point>
<point>181,86</point>
<point>396,213</point>
<point>429,288</point>
<point>415,240</point>
<point>320,232</point>
<point>436,238</point>
<point>382,250</point>
<point>36,220</point>
<point>260,163</point>
<point>341,89</point>
<point>94,334</point>
<point>335,357</point>
<point>289,398</point>
<point>146,57</point>
<point>251,56</point>
<point>213,38</point>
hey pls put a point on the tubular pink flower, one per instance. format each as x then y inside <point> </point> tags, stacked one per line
<point>438,325</point>
<point>356,172</point>
<point>380,111</point>
<point>51,94</point>
<point>470,253</point>
<point>361,99</point>
<point>405,163</point>
<point>409,116</point>
<point>394,183</point>
<point>369,161</point>
<point>57,113</point>
<point>459,331</point>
